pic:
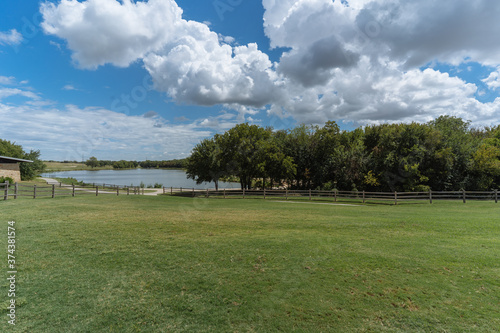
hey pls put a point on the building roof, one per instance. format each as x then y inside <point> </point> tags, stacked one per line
<point>12,159</point>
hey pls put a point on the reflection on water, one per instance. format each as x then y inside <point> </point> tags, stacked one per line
<point>169,178</point>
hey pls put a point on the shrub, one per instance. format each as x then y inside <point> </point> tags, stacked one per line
<point>6,179</point>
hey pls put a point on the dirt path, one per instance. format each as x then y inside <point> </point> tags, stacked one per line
<point>50,181</point>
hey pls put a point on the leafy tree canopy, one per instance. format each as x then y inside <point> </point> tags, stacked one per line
<point>444,154</point>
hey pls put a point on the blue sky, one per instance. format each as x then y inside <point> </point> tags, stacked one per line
<point>150,79</point>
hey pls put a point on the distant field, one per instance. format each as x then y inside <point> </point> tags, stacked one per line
<point>59,166</point>
<point>173,264</point>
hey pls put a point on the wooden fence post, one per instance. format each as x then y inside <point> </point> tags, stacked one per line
<point>171,190</point>
<point>117,191</point>
<point>164,190</point>
<point>463,193</point>
<point>73,193</point>
<point>34,191</point>
<point>243,193</point>
<point>16,189</point>
<point>310,195</point>
<point>264,193</point>
<point>53,191</point>
<point>224,193</point>
<point>181,189</point>
<point>395,198</point>
<point>286,194</point>
<point>430,197</point>
<point>193,192</point>
<point>335,195</point>
<point>207,192</point>
<point>496,196</point>
<point>97,190</point>
<point>6,193</point>
<point>363,196</point>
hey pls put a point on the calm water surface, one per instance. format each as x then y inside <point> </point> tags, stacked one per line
<point>169,178</point>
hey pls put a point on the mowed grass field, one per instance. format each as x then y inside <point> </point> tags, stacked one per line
<point>170,264</point>
<point>59,166</point>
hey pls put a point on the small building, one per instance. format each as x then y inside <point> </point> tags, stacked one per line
<point>9,167</point>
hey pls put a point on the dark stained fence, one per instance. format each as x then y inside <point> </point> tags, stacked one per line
<point>357,196</point>
<point>52,190</point>
<point>39,191</point>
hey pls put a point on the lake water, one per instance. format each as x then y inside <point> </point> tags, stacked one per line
<point>167,177</point>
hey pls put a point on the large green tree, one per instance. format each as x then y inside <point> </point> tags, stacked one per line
<point>10,149</point>
<point>240,152</point>
<point>485,162</point>
<point>273,164</point>
<point>325,141</point>
<point>460,144</point>
<point>405,157</point>
<point>92,162</point>
<point>205,162</point>
<point>300,145</point>
<point>30,171</point>
<point>248,152</point>
<point>348,162</point>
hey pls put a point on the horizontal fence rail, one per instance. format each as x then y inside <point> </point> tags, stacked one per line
<point>360,196</point>
<point>56,190</point>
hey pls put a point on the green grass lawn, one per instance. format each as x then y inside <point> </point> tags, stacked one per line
<point>173,264</point>
<point>59,166</point>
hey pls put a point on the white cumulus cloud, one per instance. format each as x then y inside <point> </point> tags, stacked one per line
<point>6,80</point>
<point>351,60</point>
<point>493,80</point>
<point>8,92</point>
<point>185,58</point>
<point>108,31</point>
<point>72,132</point>
<point>361,60</point>
<point>12,37</point>
<point>199,70</point>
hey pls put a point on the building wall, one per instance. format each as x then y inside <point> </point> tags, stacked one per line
<point>10,170</point>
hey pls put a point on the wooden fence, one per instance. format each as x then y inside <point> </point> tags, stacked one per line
<point>36,191</point>
<point>39,191</point>
<point>357,196</point>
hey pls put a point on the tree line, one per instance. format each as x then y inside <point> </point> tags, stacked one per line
<point>445,154</point>
<point>93,162</point>
<point>170,164</point>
